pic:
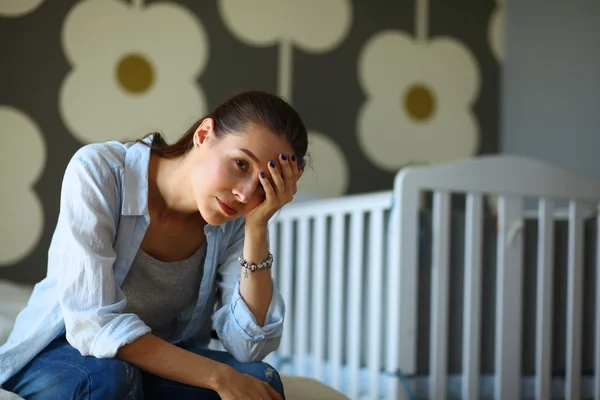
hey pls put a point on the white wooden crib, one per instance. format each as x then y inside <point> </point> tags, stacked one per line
<point>351,282</point>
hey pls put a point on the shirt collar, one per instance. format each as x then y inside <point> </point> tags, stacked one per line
<point>135,179</point>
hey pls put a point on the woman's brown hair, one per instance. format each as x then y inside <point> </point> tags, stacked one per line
<point>235,115</point>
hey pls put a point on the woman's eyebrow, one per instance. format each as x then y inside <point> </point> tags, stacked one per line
<point>251,155</point>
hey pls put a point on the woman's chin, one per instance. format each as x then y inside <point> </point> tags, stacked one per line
<point>214,217</point>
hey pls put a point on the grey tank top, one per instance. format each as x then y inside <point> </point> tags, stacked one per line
<point>158,291</point>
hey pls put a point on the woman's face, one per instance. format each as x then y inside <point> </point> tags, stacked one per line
<point>225,171</point>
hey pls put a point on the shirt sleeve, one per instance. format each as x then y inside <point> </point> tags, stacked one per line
<point>83,257</point>
<point>234,322</point>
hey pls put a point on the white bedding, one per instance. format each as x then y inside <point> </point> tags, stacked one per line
<point>13,297</point>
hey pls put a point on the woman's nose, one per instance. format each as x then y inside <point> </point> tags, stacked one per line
<point>245,191</point>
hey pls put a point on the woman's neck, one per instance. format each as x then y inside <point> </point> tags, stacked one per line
<point>167,183</point>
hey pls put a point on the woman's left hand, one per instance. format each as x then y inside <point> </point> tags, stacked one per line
<point>278,193</point>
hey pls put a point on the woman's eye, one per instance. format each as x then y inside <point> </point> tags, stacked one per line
<point>243,165</point>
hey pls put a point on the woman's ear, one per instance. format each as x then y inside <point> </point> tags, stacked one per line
<point>204,130</point>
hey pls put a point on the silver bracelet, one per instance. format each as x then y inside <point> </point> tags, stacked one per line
<point>256,266</point>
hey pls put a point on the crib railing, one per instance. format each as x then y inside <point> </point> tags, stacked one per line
<point>332,254</point>
<point>513,180</point>
<point>350,270</point>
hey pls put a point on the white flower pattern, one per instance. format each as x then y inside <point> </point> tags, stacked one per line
<point>418,100</point>
<point>23,149</point>
<point>132,73</point>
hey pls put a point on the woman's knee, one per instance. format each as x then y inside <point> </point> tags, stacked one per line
<point>90,378</point>
<point>264,372</point>
<point>260,370</point>
<point>116,379</point>
<point>106,378</point>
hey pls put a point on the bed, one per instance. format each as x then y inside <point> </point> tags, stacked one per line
<point>465,280</point>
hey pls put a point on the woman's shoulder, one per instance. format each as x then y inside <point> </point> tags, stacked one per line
<point>102,155</point>
<point>97,168</point>
<point>106,160</point>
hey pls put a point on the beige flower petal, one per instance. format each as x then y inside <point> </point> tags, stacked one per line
<point>313,25</point>
<point>452,70</point>
<point>22,158</point>
<point>496,32</point>
<point>388,62</point>
<point>328,174</point>
<point>96,33</point>
<point>18,8</point>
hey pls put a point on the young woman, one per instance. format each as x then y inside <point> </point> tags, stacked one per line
<point>156,245</point>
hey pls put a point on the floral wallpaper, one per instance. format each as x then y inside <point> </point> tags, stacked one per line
<point>379,83</point>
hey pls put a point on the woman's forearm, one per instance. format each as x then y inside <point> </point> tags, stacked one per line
<point>161,358</point>
<point>256,287</point>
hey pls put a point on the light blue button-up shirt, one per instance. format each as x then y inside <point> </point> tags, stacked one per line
<point>102,221</point>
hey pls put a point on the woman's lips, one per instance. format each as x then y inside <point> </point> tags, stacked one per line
<point>227,209</point>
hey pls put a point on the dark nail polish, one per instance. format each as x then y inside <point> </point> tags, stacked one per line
<point>293,157</point>
<point>272,164</point>
<point>262,175</point>
<point>283,156</point>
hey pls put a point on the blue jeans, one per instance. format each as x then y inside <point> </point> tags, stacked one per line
<point>60,372</point>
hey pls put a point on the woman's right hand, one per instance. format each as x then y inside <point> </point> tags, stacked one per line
<point>237,386</point>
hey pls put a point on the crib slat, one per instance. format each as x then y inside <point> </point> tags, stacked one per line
<point>354,310</point>
<point>402,291</point>
<point>320,300</point>
<point>274,249</point>
<point>509,298</point>
<point>375,277</point>
<point>545,281</point>
<point>574,301</point>
<point>597,358</point>
<point>472,297</point>
<point>336,304</point>
<point>439,295</point>
<point>271,359</point>
<point>302,297</point>
<point>286,275</point>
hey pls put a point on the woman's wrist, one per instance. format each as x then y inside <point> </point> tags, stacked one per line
<point>221,377</point>
<point>256,286</point>
<point>159,357</point>
<point>259,228</point>
<point>256,247</point>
